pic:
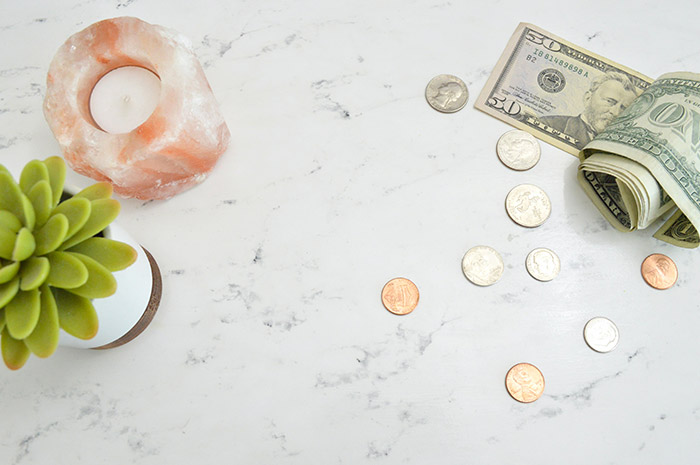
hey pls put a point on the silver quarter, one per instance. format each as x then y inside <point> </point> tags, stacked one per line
<point>528,205</point>
<point>518,150</point>
<point>482,265</point>
<point>446,93</point>
<point>601,334</point>
<point>543,264</point>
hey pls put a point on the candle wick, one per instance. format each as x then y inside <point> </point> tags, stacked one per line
<point>127,98</point>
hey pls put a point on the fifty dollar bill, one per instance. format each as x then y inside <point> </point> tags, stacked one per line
<point>542,84</point>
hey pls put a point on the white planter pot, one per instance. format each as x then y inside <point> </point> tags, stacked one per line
<point>125,314</point>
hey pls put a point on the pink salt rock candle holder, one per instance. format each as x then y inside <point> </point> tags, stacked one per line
<point>174,149</point>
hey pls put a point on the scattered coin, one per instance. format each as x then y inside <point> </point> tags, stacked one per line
<point>525,383</point>
<point>482,265</point>
<point>518,150</point>
<point>528,205</point>
<point>400,296</point>
<point>601,334</point>
<point>543,264</point>
<point>447,93</point>
<point>659,271</point>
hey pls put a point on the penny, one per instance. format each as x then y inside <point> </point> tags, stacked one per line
<point>528,205</point>
<point>659,271</point>
<point>525,383</point>
<point>446,93</point>
<point>543,264</point>
<point>518,150</point>
<point>482,265</point>
<point>400,296</point>
<point>601,334</point>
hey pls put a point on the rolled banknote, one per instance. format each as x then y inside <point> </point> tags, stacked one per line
<point>647,161</point>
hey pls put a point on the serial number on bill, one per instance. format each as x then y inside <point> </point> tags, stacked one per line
<point>553,59</point>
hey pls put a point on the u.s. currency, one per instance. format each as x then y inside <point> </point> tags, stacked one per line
<point>400,296</point>
<point>601,334</point>
<point>647,162</point>
<point>543,264</point>
<point>528,205</point>
<point>557,91</point>
<point>525,382</point>
<point>482,265</point>
<point>446,93</point>
<point>659,271</point>
<point>518,150</point>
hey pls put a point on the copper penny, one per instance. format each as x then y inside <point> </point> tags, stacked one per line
<point>400,296</point>
<point>659,271</point>
<point>525,383</point>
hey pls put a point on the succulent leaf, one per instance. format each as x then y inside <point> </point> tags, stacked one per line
<point>100,282</point>
<point>8,272</point>
<point>9,221</point>
<point>52,234</point>
<point>111,254</point>
<point>2,316</point>
<point>77,211</point>
<point>7,242</point>
<point>4,170</point>
<point>34,272</point>
<point>25,245</point>
<point>15,353</point>
<point>100,190</point>
<point>22,313</point>
<point>28,214</point>
<point>8,291</point>
<point>10,195</point>
<point>33,172</point>
<point>57,176</point>
<point>44,339</point>
<point>76,315</point>
<point>103,212</point>
<point>67,271</point>
<point>41,197</point>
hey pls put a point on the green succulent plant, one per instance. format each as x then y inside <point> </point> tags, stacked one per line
<point>53,259</point>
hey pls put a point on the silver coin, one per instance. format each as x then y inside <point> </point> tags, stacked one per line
<point>601,334</point>
<point>447,93</point>
<point>528,205</point>
<point>482,265</point>
<point>543,264</point>
<point>518,150</point>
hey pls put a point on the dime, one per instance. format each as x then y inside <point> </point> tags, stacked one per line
<point>400,296</point>
<point>528,205</point>
<point>659,271</point>
<point>525,383</point>
<point>601,334</point>
<point>518,150</point>
<point>446,93</point>
<point>482,265</point>
<point>543,264</point>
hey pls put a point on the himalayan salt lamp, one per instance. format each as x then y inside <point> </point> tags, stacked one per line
<point>177,145</point>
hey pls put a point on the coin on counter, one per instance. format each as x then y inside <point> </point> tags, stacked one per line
<point>518,150</point>
<point>543,264</point>
<point>525,383</point>
<point>601,334</point>
<point>528,205</point>
<point>447,93</point>
<point>482,265</point>
<point>659,271</point>
<point>400,296</point>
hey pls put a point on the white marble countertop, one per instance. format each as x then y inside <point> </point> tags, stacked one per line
<point>271,345</point>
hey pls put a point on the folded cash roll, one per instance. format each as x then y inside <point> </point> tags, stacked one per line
<point>647,162</point>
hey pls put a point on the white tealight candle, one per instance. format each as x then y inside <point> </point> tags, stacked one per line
<point>124,99</point>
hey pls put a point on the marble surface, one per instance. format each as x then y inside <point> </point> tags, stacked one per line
<point>271,344</point>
